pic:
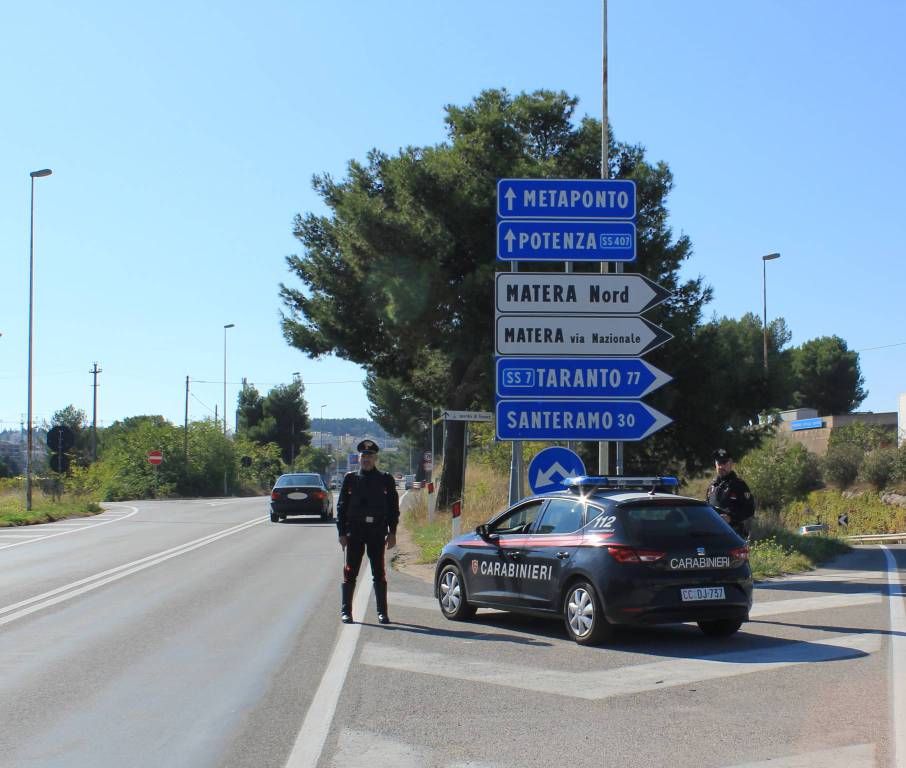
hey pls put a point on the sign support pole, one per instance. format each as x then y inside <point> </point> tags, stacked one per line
<point>604,446</point>
<point>516,457</point>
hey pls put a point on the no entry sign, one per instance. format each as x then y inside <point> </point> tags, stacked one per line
<point>155,457</point>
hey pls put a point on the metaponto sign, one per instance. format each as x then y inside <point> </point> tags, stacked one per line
<point>566,199</point>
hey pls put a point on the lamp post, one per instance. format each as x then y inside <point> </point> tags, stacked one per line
<point>228,325</point>
<point>31,297</point>
<point>292,430</point>
<point>764,289</point>
<point>321,430</point>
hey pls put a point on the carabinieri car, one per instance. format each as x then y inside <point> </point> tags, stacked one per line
<point>606,551</point>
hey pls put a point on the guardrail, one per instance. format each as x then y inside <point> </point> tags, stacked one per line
<point>880,538</point>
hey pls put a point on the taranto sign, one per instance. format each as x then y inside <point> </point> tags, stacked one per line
<point>628,420</point>
<point>543,336</point>
<point>577,377</point>
<point>577,293</point>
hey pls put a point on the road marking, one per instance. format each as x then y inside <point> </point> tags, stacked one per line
<point>603,684</point>
<point>797,604</point>
<point>361,749</point>
<point>67,592</point>
<point>308,745</point>
<point>20,535</point>
<point>113,519</point>
<point>767,608</point>
<point>855,756</point>
<point>896,598</point>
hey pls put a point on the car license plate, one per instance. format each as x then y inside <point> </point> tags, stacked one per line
<point>297,495</point>
<point>703,593</point>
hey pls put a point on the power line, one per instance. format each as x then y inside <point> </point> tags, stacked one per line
<point>276,383</point>
<point>886,346</point>
<point>201,401</point>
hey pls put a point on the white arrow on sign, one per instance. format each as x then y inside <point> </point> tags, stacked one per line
<point>547,478</point>
<point>509,237</point>
<point>559,292</point>
<point>577,336</point>
<point>510,196</point>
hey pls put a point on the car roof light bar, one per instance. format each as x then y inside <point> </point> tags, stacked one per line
<point>583,483</point>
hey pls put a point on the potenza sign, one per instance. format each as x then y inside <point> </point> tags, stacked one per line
<point>562,293</point>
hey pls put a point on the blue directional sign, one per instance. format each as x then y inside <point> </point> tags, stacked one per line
<point>566,377</point>
<point>551,466</point>
<point>806,424</point>
<point>566,199</point>
<point>566,240</point>
<point>627,420</point>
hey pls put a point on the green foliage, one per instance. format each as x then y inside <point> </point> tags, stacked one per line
<point>866,512</point>
<point>349,427</point>
<point>828,376</point>
<point>840,465</point>
<point>128,475</point>
<point>879,467</point>
<point>266,465</point>
<point>779,472</point>
<point>781,551</point>
<point>281,417</point>
<point>866,437</point>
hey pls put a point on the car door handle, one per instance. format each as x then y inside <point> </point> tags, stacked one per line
<point>511,553</point>
<point>563,555</point>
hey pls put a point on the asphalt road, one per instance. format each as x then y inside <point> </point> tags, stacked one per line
<point>200,634</point>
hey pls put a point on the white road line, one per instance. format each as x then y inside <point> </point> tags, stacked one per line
<point>896,597</point>
<point>854,756</point>
<point>75,530</point>
<point>603,684</point>
<point>362,749</point>
<point>67,592</point>
<point>310,741</point>
<point>797,604</point>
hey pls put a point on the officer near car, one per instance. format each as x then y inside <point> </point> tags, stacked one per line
<point>729,494</point>
<point>368,511</point>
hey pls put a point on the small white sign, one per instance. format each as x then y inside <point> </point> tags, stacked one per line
<point>468,416</point>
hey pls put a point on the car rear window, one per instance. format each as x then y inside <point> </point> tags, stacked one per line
<point>644,523</point>
<point>286,480</point>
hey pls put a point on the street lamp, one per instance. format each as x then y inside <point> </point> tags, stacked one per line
<point>764,288</point>
<point>321,431</point>
<point>31,297</point>
<point>228,325</point>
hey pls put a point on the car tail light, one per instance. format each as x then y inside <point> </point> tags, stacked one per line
<point>629,555</point>
<point>275,495</point>
<point>740,554</point>
<point>318,494</point>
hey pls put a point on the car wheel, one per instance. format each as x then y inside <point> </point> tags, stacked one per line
<point>720,627</point>
<point>275,518</point>
<point>452,596</point>
<point>583,615</point>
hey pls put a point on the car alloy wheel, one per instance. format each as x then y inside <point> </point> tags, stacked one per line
<point>583,615</point>
<point>451,595</point>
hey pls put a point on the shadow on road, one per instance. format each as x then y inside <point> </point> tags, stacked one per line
<point>420,629</point>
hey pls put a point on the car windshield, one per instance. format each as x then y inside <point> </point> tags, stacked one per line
<point>287,480</point>
<point>645,523</point>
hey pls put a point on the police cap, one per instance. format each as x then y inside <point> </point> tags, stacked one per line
<point>721,456</point>
<point>367,446</point>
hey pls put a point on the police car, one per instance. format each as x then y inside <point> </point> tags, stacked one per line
<point>606,551</point>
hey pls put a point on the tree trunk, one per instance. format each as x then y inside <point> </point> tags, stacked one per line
<point>451,478</point>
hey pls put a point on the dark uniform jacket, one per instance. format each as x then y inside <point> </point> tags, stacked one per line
<point>368,503</point>
<point>731,496</point>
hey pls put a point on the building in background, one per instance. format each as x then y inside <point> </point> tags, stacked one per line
<point>805,426</point>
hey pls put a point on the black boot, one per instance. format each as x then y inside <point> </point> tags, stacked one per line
<point>380,593</point>
<point>347,589</point>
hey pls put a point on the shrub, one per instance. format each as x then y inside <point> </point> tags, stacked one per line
<point>865,436</point>
<point>841,464</point>
<point>878,467</point>
<point>779,472</point>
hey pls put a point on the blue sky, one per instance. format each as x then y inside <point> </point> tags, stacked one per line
<point>183,137</point>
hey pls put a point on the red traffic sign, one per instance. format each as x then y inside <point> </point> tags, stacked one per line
<point>155,457</point>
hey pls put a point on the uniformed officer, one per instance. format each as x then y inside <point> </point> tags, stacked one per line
<point>729,494</point>
<point>368,511</point>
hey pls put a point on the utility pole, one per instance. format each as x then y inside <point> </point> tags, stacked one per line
<point>94,414</point>
<point>185,435</point>
<point>604,445</point>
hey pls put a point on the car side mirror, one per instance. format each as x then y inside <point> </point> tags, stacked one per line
<point>482,530</point>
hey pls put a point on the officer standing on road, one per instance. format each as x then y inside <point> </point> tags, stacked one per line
<point>729,494</point>
<point>368,511</point>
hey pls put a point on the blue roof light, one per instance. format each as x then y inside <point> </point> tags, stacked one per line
<point>620,481</point>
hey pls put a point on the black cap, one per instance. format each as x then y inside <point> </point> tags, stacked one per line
<point>721,456</point>
<point>367,446</point>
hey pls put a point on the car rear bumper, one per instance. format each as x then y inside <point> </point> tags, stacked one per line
<point>300,507</point>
